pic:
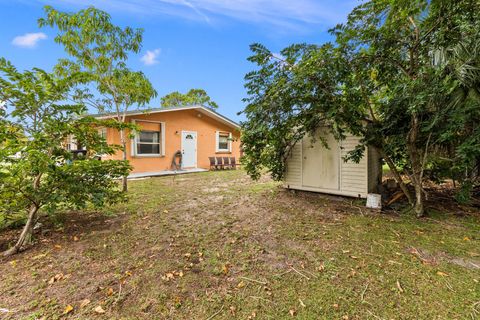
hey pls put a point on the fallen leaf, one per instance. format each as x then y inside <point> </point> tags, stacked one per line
<point>84,303</point>
<point>225,269</point>
<point>165,211</point>
<point>466,239</point>
<point>39,256</point>
<point>109,292</point>
<point>57,277</point>
<point>187,255</point>
<point>335,305</point>
<point>75,238</point>
<point>99,309</point>
<point>57,246</point>
<point>443,274</point>
<point>13,263</point>
<point>241,284</point>
<point>68,309</point>
<point>292,312</point>
<point>168,276</point>
<point>128,273</point>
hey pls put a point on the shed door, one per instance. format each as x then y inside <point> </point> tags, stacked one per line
<point>321,166</point>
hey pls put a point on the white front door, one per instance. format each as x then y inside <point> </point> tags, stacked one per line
<point>189,149</point>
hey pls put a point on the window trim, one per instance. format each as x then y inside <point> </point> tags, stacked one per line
<point>161,141</point>
<point>103,132</point>
<point>217,142</point>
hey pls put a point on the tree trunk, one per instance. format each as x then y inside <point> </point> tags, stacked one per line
<point>419,208</point>
<point>417,166</point>
<point>124,145</point>
<point>28,228</point>
<point>399,179</point>
<point>26,232</point>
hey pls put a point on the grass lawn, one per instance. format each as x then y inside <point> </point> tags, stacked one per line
<point>218,246</point>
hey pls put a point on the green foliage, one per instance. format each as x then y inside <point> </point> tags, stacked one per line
<point>100,50</point>
<point>192,97</point>
<point>402,75</point>
<point>36,171</point>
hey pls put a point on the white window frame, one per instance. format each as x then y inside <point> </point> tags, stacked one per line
<point>217,141</point>
<point>161,142</point>
<point>71,143</point>
<point>103,132</point>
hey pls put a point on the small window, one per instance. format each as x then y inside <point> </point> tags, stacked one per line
<point>103,133</point>
<point>224,139</point>
<point>148,142</point>
<point>71,144</point>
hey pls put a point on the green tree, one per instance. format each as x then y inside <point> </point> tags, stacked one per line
<point>100,50</point>
<point>378,80</point>
<point>458,155</point>
<point>36,171</point>
<point>192,97</point>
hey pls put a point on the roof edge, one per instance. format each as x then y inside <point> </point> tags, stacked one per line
<point>204,109</point>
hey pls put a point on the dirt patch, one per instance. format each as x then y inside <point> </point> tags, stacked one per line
<point>434,258</point>
<point>220,243</point>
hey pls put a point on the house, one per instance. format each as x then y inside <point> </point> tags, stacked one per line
<point>313,167</point>
<point>195,132</point>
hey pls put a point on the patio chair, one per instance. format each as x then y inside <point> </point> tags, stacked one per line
<point>219,163</point>
<point>233,163</point>
<point>213,163</point>
<point>226,163</point>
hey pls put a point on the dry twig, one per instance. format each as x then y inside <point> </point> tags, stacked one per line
<point>362,296</point>
<point>216,313</point>
<point>253,280</point>
<point>300,273</point>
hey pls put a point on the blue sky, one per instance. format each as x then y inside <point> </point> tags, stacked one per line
<point>187,43</point>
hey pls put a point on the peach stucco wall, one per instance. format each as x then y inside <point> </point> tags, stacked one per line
<point>175,122</point>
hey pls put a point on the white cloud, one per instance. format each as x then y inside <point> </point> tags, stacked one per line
<point>29,40</point>
<point>150,57</point>
<point>283,15</point>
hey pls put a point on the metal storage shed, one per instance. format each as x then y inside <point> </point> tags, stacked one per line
<point>312,167</point>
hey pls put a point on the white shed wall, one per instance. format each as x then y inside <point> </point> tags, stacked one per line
<point>353,177</point>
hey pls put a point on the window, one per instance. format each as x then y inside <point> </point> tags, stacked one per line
<point>103,133</point>
<point>72,144</point>
<point>224,141</point>
<point>148,142</point>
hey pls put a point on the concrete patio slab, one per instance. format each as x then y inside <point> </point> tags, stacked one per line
<point>164,173</point>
